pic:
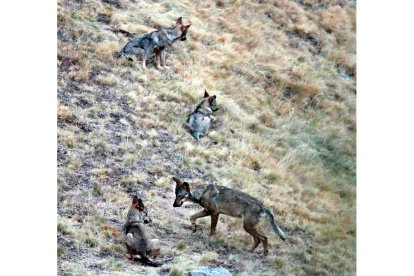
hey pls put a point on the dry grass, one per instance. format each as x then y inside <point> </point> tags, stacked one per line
<point>284,76</point>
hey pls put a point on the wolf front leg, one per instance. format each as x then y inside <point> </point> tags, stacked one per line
<point>198,215</point>
<point>196,135</point>
<point>158,59</point>
<point>163,61</point>
<point>144,60</point>
<point>162,58</point>
<point>214,220</point>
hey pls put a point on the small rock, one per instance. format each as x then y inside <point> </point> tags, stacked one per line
<point>103,18</point>
<point>87,127</point>
<point>85,103</point>
<point>208,271</point>
<point>124,122</point>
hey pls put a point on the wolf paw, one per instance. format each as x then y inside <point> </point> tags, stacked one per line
<point>195,228</point>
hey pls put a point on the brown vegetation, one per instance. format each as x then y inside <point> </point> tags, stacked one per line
<point>284,75</point>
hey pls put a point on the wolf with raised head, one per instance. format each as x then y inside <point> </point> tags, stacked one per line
<point>137,239</point>
<point>200,120</point>
<point>144,46</point>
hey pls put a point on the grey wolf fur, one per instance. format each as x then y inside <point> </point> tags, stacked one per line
<point>200,120</point>
<point>137,240</point>
<point>154,43</point>
<point>218,200</point>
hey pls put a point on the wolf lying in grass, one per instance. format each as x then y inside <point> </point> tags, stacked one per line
<point>218,200</point>
<point>200,120</point>
<point>154,43</point>
<point>137,240</point>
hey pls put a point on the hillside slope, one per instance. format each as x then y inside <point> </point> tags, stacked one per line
<point>284,75</point>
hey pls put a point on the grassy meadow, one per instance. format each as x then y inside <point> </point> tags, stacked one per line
<point>284,73</point>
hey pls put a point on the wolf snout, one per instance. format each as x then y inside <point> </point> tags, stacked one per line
<point>176,204</point>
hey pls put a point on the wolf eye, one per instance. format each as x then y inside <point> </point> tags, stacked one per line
<point>182,194</point>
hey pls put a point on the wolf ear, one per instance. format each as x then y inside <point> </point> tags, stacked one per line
<point>179,21</point>
<point>187,186</point>
<point>185,27</point>
<point>178,181</point>
<point>212,98</point>
<point>134,200</point>
<point>206,95</point>
<point>140,204</point>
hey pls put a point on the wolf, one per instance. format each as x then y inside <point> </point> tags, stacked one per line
<point>218,200</point>
<point>137,240</point>
<point>200,120</point>
<point>154,43</point>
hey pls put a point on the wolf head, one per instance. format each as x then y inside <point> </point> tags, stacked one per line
<point>141,212</point>
<point>181,29</point>
<point>211,101</point>
<point>182,192</point>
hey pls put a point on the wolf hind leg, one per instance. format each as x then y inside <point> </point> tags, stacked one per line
<point>153,248</point>
<point>256,242</point>
<point>257,236</point>
<point>249,224</point>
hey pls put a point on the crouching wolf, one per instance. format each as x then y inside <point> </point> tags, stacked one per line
<point>137,240</point>
<point>154,43</point>
<point>218,200</point>
<point>200,120</point>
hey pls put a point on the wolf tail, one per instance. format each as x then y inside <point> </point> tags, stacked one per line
<point>274,223</point>
<point>147,261</point>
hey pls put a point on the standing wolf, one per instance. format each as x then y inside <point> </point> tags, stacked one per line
<point>200,120</point>
<point>154,43</point>
<point>137,240</point>
<point>218,200</point>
